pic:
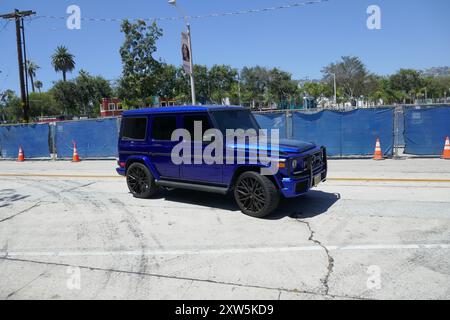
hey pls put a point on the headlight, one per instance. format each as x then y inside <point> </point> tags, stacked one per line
<point>294,164</point>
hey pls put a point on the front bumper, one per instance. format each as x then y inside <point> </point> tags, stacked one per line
<point>298,184</point>
<point>292,187</point>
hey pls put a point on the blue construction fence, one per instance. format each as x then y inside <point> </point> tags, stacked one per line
<point>426,129</point>
<point>351,133</point>
<point>420,129</point>
<point>96,138</point>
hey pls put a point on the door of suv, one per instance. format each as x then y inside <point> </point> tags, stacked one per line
<point>161,145</point>
<point>208,173</point>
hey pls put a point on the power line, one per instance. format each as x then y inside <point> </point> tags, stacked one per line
<point>195,17</point>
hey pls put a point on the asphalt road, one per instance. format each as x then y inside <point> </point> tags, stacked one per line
<point>374,230</point>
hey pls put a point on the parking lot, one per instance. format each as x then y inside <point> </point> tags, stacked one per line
<point>374,230</point>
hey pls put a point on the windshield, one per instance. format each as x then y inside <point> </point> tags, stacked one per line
<point>235,119</point>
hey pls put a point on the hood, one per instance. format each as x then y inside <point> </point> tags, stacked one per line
<point>286,146</point>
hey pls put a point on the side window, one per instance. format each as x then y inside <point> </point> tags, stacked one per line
<point>189,121</point>
<point>134,128</point>
<point>163,127</point>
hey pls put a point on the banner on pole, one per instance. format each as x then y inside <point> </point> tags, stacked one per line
<point>186,52</point>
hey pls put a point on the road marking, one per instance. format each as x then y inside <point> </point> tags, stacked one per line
<point>372,247</point>
<point>56,175</point>
<point>389,180</point>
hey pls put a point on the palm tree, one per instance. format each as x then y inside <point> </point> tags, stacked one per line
<point>31,69</point>
<point>63,61</point>
<point>38,85</point>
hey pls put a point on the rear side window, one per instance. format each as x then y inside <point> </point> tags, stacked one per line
<point>190,120</point>
<point>134,128</point>
<point>163,127</point>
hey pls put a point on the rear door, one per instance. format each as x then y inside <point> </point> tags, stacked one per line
<point>162,127</point>
<point>133,136</point>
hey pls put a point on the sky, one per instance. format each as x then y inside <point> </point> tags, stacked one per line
<point>302,40</point>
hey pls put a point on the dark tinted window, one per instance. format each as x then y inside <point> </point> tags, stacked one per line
<point>235,119</point>
<point>134,128</point>
<point>163,127</point>
<point>190,120</point>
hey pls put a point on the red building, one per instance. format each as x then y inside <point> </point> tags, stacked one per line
<point>110,107</point>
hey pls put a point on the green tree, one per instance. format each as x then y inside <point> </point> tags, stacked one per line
<point>38,84</point>
<point>43,104</point>
<point>350,74</point>
<point>63,61</point>
<point>140,68</point>
<point>281,85</point>
<point>167,81</point>
<point>11,107</point>
<point>221,79</point>
<point>31,70</point>
<point>66,96</point>
<point>89,93</point>
<point>406,79</point>
<point>316,89</point>
<point>255,83</point>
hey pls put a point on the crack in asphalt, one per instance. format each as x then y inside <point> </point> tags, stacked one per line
<point>163,276</point>
<point>77,187</point>
<point>330,265</point>
<point>38,203</point>
<point>24,286</point>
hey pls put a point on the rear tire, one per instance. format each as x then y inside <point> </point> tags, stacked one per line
<point>140,181</point>
<point>255,194</point>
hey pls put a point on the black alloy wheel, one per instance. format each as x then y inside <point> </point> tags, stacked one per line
<point>140,181</point>
<point>255,194</point>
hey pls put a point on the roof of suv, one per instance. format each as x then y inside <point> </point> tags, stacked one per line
<point>178,109</point>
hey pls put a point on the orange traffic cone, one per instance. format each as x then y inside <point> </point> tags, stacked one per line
<point>75,157</point>
<point>378,155</point>
<point>21,156</point>
<point>446,153</point>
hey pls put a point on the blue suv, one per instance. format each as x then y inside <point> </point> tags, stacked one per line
<point>146,148</point>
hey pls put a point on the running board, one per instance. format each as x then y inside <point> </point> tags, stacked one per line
<point>191,186</point>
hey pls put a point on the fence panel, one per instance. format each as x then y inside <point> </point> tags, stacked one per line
<point>322,128</point>
<point>273,121</point>
<point>94,138</point>
<point>33,138</point>
<point>361,128</point>
<point>351,133</point>
<point>426,129</point>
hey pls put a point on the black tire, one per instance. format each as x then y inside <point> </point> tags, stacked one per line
<point>255,194</point>
<point>140,181</point>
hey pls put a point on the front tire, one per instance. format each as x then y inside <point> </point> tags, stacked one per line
<point>255,194</point>
<point>140,181</point>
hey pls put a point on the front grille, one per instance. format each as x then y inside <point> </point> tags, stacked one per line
<point>310,164</point>
<point>315,160</point>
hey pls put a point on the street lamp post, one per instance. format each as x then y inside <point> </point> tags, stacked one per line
<point>334,81</point>
<point>191,62</point>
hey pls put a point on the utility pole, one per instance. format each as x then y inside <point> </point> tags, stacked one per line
<point>194,100</point>
<point>20,37</point>
<point>191,62</point>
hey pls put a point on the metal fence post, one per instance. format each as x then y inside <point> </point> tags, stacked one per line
<point>52,140</point>
<point>286,124</point>
<point>396,133</point>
